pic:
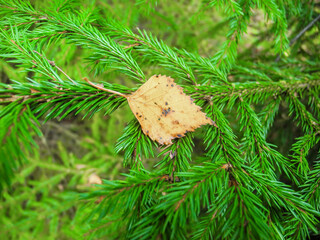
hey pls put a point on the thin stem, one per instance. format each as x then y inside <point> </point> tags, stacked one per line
<point>304,30</point>
<point>104,89</point>
<point>300,34</point>
<point>52,63</point>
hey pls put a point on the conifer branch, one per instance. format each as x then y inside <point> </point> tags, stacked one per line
<point>278,16</point>
<point>148,44</point>
<point>163,53</point>
<point>304,117</point>
<point>233,188</point>
<point>52,63</point>
<point>300,151</point>
<point>278,194</point>
<point>239,16</point>
<point>268,114</point>
<point>16,139</point>
<point>242,70</point>
<point>203,67</point>
<point>177,157</point>
<point>26,56</point>
<point>78,31</point>
<point>134,143</point>
<point>176,199</point>
<point>252,91</point>
<point>220,140</point>
<point>53,100</point>
<point>314,102</point>
<point>311,188</point>
<point>254,144</point>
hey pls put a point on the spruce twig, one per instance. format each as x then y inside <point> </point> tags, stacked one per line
<point>52,63</point>
<point>104,89</point>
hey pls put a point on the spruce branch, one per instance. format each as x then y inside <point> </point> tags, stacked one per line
<point>16,139</point>
<point>277,14</point>
<point>203,67</point>
<point>220,139</point>
<point>135,144</point>
<point>311,188</point>
<point>23,52</point>
<point>246,71</point>
<point>305,29</point>
<point>253,220</point>
<point>286,70</point>
<point>177,157</point>
<point>203,182</point>
<point>238,15</point>
<point>276,195</point>
<point>226,56</point>
<point>52,63</point>
<point>314,102</point>
<point>104,47</point>
<point>116,197</point>
<point>53,100</point>
<point>301,150</point>
<point>200,181</point>
<point>234,189</point>
<point>304,117</point>
<point>148,44</point>
<point>268,114</point>
<point>252,91</point>
<point>265,158</point>
<point>77,29</point>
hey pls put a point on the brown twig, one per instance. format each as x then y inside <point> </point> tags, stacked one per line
<point>304,30</point>
<point>104,89</point>
<point>293,40</point>
<point>52,63</point>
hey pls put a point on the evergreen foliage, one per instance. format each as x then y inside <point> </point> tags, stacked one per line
<point>253,174</point>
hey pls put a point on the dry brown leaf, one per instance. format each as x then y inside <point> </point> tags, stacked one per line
<point>163,110</point>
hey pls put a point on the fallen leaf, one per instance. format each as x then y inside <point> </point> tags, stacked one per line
<point>163,110</point>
